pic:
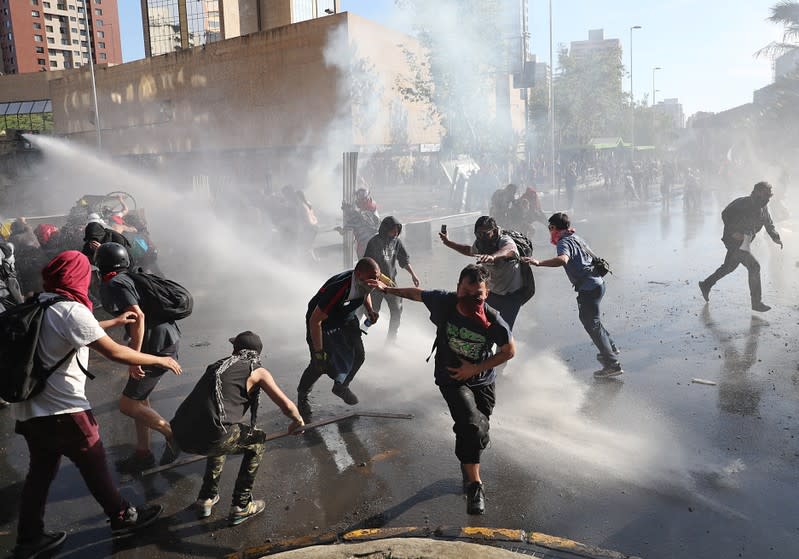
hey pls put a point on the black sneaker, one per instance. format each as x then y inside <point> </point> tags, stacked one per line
<point>705,289</point>
<point>171,453</point>
<point>48,541</point>
<point>475,498</point>
<point>345,394</point>
<point>136,463</point>
<point>609,371</point>
<point>304,406</point>
<point>134,518</point>
<point>760,307</point>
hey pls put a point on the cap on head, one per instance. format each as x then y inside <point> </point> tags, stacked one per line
<point>247,340</point>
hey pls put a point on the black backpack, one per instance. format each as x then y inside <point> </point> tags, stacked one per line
<point>523,242</point>
<point>22,375</point>
<point>525,247</point>
<point>163,300</point>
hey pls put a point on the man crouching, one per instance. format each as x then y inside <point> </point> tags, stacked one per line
<point>208,423</point>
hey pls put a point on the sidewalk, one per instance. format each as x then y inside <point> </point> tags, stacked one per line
<point>424,543</point>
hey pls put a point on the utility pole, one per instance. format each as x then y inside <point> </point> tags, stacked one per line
<point>632,96</point>
<point>90,38</point>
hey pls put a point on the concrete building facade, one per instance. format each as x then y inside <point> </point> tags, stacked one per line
<point>43,35</point>
<point>277,89</point>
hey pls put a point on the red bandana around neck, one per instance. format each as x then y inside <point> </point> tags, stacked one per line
<point>69,274</point>
<point>556,234</point>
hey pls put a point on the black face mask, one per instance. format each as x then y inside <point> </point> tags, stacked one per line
<point>487,244</point>
<point>762,201</point>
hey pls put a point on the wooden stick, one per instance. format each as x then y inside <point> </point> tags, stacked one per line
<point>274,436</point>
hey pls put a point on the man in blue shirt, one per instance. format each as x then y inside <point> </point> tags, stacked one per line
<point>467,331</point>
<point>575,257</point>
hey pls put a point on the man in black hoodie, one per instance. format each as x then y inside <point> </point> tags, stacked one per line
<point>387,250</point>
<point>743,218</point>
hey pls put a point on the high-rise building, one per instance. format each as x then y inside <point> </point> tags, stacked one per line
<point>38,35</point>
<point>171,25</point>
<point>673,109</point>
<point>595,45</point>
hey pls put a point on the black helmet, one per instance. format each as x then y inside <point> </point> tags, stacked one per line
<point>111,257</point>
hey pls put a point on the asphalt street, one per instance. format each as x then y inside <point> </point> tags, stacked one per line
<point>652,464</point>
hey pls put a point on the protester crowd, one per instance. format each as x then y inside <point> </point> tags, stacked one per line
<point>56,277</point>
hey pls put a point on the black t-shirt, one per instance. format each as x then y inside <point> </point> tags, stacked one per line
<point>197,424</point>
<point>463,338</point>
<point>118,294</point>
<point>338,299</point>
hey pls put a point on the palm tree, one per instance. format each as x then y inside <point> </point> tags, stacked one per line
<point>785,13</point>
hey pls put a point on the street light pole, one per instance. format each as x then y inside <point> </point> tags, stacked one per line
<point>551,104</point>
<point>653,84</point>
<point>89,38</point>
<point>632,95</point>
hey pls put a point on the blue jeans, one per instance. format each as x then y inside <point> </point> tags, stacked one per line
<point>588,305</point>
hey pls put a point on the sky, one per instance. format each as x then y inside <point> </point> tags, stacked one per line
<point>705,48</point>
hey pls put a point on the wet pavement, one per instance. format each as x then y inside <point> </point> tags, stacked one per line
<point>652,464</point>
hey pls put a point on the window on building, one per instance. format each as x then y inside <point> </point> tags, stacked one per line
<point>80,9</point>
<point>37,38</point>
<point>37,25</point>
<point>67,64</point>
<point>49,28</point>
<point>34,2</point>
<point>73,18</point>
<point>77,64</point>
<point>64,42</point>
<point>73,29</point>
<point>103,56</point>
<point>98,22</point>
<point>41,61</point>
<point>39,50</point>
<point>101,45</point>
<point>61,6</point>
<point>75,41</point>
<point>84,44</point>
<point>54,64</point>
<point>101,34</point>
<point>83,32</point>
<point>72,7</point>
<point>46,4</point>
<point>35,13</point>
<point>98,11</point>
<point>50,40</point>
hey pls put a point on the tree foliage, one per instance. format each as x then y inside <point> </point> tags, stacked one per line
<point>785,13</point>
<point>456,74</point>
<point>589,101</point>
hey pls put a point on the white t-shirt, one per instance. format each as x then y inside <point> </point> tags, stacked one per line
<point>66,325</point>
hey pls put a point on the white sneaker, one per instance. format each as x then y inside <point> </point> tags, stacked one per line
<point>204,506</point>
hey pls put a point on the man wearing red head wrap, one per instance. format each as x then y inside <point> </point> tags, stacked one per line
<point>59,421</point>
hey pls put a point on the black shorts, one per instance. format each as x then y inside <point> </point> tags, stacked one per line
<point>140,389</point>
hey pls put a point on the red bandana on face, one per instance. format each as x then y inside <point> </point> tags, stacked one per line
<point>556,234</point>
<point>69,274</point>
<point>473,307</point>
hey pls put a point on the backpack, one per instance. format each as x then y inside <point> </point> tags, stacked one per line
<point>523,242</point>
<point>599,266</point>
<point>525,247</point>
<point>163,300</point>
<point>22,375</point>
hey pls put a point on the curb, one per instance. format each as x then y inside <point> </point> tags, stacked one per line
<point>521,541</point>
